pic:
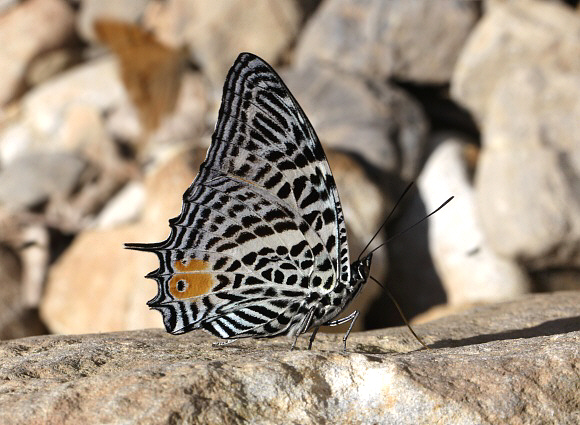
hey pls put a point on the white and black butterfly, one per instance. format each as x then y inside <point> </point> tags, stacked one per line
<point>260,247</point>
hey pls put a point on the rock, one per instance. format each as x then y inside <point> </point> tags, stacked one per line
<point>514,34</point>
<point>91,10</point>
<point>96,267</point>
<point>49,64</point>
<point>186,122</point>
<point>34,252</point>
<point>15,139</point>
<point>527,189</point>
<point>34,179</point>
<point>125,207</point>
<point>82,130</point>
<point>515,362</point>
<point>378,123</point>
<point>50,113</point>
<point>469,267</point>
<point>95,83</point>
<point>47,24</point>
<point>84,109</point>
<point>550,280</point>
<point>406,40</point>
<point>266,29</point>
<point>6,5</point>
<point>16,319</point>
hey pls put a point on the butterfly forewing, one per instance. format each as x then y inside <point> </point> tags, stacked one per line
<point>261,234</point>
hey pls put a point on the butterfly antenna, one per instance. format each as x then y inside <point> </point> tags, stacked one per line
<point>400,312</point>
<point>416,224</point>
<point>387,219</point>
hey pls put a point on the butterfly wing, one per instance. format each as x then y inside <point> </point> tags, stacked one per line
<point>261,234</point>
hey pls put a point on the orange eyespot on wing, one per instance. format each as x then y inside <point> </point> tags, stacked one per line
<point>188,282</point>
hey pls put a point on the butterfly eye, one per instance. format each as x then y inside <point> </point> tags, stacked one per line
<point>181,286</point>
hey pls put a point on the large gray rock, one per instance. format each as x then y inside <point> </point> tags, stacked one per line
<point>378,123</point>
<point>407,40</point>
<point>35,179</point>
<point>510,363</point>
<point>511,35</point>
<point>528,192</point>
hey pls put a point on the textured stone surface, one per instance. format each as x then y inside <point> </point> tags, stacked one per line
<point>217,34</point>
<point>510,363</point>
<point>34,179</point>
<point>511,35</point>
<point>36,26</point>
<point>46,109</point>
<point>469,268</point>
<point>379,123</point>
<point>407,40</point>
<point>527,181</point>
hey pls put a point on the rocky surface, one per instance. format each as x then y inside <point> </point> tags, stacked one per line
<point>513,363</point>
<point>113,278</point>
<point>527,182</point>
<point>512,35</point>
<point>48,24</point>
<point>216,35</point>
<point>82,169</point>
<point>379,124</point>
<point>471,271</point>
<point>398,39</point>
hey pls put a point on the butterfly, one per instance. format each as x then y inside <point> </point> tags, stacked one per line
<point>260,246</point>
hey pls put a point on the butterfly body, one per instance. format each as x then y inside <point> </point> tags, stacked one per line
<point>260,247</point>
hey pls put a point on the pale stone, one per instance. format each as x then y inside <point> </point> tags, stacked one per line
<point>27,30</point>
<point>34,179</point>
<point>512,35</point>
<point>91,10</point>
<point>217,34</point>
<point>125,207</point>
<point>469,268</point>
<point>528,194</point>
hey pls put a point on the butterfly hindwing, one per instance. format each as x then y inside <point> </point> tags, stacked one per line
<point>261,234</point>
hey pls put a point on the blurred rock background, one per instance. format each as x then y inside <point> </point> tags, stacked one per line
<point>107,108</point>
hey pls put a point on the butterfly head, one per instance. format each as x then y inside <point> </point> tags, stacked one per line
<point>361,269</point>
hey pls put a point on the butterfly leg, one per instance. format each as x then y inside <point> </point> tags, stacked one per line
<point>352,318</point>
<point>306,322</point>
<point>314,332</point>
<point>222,343</point>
